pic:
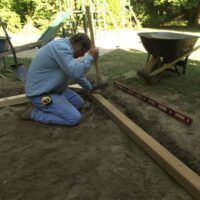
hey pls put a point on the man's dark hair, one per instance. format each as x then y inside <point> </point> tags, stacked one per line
<point>82,39</point>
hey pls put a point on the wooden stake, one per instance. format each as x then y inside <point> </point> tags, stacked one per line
<point>178,170</point>
<point>98,74</point>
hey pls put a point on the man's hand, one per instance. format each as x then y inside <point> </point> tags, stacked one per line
<point>94,53</point>
<point>97,91</point>
<point>89,92</point>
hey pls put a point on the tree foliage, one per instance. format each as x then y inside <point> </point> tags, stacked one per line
<point>17,12</point>
<point>159,12</point>
<point>44,11</point>
<point>8,15</point>
<point>150,12</point>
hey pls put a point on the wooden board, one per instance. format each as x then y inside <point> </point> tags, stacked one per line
<point>20,99</point>
<point>178,170</point>
<point>21,48</point>
<point>13,100</point>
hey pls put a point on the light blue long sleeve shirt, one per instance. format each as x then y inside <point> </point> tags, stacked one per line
<point>53,67</point>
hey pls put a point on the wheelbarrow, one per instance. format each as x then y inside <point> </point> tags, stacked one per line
<point>4,45</point>
<point>166,51</point>
<point>19,69</point>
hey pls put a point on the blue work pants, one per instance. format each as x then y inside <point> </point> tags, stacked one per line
<point>62,111</point>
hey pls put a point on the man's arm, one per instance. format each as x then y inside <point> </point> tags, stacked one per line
<point>84,83</point>
<point>73,68</point>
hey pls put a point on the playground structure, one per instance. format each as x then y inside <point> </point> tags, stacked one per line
<point>73,17</point>
<point>102,15</point>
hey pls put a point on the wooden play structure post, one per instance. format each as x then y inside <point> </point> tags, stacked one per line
<point>90,25</point>
<point>102,14</point>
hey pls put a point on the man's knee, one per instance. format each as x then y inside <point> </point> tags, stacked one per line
<point>73,119</point>
<point>80,103</point>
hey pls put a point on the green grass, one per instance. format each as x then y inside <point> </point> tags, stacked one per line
<point>123,65</point>
<point>119,63</point>
<point>25,61</point>
<point>7,71</point>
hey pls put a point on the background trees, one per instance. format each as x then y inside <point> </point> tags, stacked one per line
<point>150,12</point>
<point>18,12</point>
<point>167,12</point>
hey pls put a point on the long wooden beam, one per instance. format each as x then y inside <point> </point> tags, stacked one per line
<point>178,170</point>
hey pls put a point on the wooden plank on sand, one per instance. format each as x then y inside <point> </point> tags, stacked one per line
<point>178,170</point>
<point>20,99</point>
<point>13,100</point>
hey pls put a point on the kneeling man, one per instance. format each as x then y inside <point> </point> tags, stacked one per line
<point>48,76</point>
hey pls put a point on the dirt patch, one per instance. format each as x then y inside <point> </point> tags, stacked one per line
<point>94,160</point>
<point>10,88</point>
<point>180,139</point>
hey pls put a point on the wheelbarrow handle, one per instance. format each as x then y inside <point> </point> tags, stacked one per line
<point>168,65</point>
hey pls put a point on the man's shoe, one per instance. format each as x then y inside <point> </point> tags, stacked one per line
<point>86,110</point>
<point>26,113</point>
<point>86,105</point>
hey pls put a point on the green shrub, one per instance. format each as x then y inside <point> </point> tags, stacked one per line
<point>11,18</point>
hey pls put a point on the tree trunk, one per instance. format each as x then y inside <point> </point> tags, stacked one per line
<point>195,15</point>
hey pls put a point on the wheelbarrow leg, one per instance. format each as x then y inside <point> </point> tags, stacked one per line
<point>184,68</point>
<point>152,64</point>
<point>181,63</point>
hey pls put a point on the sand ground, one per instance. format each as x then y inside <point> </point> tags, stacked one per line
<point>95,160</point>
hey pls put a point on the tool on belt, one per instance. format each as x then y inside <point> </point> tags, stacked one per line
<point>182,118</point>
<point>46,100</point>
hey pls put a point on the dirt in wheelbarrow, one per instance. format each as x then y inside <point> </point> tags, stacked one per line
<point>92,161</point>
